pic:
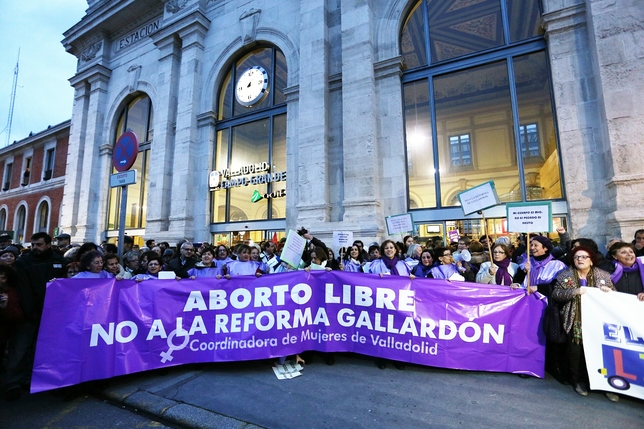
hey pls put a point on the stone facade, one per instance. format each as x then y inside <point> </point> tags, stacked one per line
<point>346,157</point>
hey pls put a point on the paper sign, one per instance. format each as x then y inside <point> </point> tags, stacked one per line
<point>293,248</point>
<point>342,239</point>
<point>453,235</point>
<point>288,370</point>
<point>529,217</point>
<point>167,275</point>
<point>399,224</point>
<point>479,198</point>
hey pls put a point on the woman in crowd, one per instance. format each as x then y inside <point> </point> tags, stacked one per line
<point>91,265</point>
<point>408,240</point>
<point>479,254</point>
<point>255,256</point>
<point>389,263</point>
<point>8,255</point>
<point>131,262</point>
<point>570,284</point>
<point>318,260</point>
<point>243,266</point>
<point>113,267</point>
<point>602,262</point>
<point>628,274</point>
<point>85,247</point>
<point>413,255</point>
<point>154,265</point>
<point>222,257</point>
<point>331,261</point>
<point>353,261</point>
<point>424,267</point>
<point>72,269</point>
<point>501,271</point>
<point>542,268</point>
<point>206,267</point>
<point>143,263</point>
<point>446,267</point>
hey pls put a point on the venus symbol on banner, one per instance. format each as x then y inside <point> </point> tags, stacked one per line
<point>167,355</point>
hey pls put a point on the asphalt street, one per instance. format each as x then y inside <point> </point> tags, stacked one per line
<point>353,393</point>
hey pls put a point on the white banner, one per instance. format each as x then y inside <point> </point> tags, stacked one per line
<point>613,336</point>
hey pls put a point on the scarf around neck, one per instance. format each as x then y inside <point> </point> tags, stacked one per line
<point>503,276</point>
<point>620,270</point>
<point>391,264</point>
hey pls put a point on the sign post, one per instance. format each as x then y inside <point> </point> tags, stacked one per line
<point>125,151</point>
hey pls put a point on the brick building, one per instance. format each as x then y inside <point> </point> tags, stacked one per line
<point>33,178</point>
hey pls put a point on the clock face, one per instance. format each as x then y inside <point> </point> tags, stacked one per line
<point>252,86</point>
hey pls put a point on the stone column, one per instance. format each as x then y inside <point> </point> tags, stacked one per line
<point>577,94</point>
<point>165,117</point>
<point>312,147</point>
<point>185,186</point>
<point>616,30</point>
<point>82,185</point>
<point>362,168</point>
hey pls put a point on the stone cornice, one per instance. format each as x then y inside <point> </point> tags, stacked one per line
<point>388,68</point>
<point>292,93</point>
<point>92,74</point>
<point>625,179</point>
<point>206,119</point>
<point>565,19</point>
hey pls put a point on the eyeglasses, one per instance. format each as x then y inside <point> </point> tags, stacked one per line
<point>447,254</point>
<point>581,257</point>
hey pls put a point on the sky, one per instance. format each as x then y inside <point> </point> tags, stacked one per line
<point>43,94</point>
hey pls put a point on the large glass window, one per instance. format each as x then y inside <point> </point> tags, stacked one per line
<point>250,157</point>
<point>42,217</point>
<point>471,118</point>
<point>136,116</point>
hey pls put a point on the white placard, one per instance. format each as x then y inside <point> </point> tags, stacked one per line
<point>529,217</point>
<point>613,338</point>
<point>479,198</point>
<point>342,239</point>
<point>167,275</point>
<point>399,224</point>
<point>293,248</point>
<point>123,179</point>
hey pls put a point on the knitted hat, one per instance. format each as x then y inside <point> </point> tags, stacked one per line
<point>545,242</point>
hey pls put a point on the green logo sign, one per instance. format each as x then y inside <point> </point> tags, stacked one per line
<point>256,197</point>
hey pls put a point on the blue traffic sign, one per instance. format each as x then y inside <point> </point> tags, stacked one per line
<point>125,151</point>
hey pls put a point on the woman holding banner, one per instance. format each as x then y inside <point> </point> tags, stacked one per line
<point>389,264</point>
<point>243,266</point>
<point>91,265</point>
<point>628,275</point>
<point>424,267</point>
<point>542,268</point>
<point>570,285</point>
<point>354,261</point>
<point>206,267</point>
<point>499,272</point>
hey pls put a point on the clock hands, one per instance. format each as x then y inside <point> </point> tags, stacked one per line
<point>249,84</point>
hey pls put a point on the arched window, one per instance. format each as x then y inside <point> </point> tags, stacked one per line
<point>477,100</point>
<point>3,219</point>
<point>250,154</point>
<point>136,116</point>
<point>20,223</point>
<point>42,217</point>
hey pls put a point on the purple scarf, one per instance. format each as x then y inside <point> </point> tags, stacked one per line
<point>502,276</point>
<point>391,264</point>
<point>620,270</point>
<point>536,268</point>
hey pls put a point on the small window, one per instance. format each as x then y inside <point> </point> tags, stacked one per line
<point>529,136</point>
<point>3,219</point>
<point>48,171</point>
<point>8,171</point>
<point>460,150</point>
<point>26,172</point>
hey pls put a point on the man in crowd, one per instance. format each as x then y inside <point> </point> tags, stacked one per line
<point>639,242</point>
<point>63,241</point>
<point>35,269</point>
<point>5,240</point>
<point>185,261</point>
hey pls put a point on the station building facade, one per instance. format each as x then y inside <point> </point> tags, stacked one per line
<point>255,116</point>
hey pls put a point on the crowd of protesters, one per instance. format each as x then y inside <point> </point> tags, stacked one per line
<point>561,271</point>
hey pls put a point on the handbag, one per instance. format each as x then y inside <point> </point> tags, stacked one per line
<point>552,326</point>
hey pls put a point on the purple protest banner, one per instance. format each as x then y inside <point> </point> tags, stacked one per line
<point>95,329</point>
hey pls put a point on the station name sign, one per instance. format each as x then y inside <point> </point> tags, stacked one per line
<point>251,174</point>
<point>140,33</point>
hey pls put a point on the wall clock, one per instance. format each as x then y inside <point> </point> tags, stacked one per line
<point>252,86</point>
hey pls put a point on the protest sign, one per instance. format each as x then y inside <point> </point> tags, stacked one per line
<point>399,224</point>
<point>613,341</point>
<point>100,328</point>
<point>479,198</point>
<point>342,239</point>
<point>293,248</point>
<point>529,217</point>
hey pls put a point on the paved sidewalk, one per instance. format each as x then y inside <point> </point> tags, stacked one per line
<point>354,393</point>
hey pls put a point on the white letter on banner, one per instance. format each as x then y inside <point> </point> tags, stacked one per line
<point>218,299</point>
<point>221,320</point>
<point>302,318</point>
<point>262,295</point>
<point>97,330</point>
<point>321,317</point>
<point>348,320</point>
<point>195,301</point>
<point>119,331</point>
<point>295,293</point>
<point>488,331</point>
<point>476,334</point>
<point>198,326</point>
<point>442,335</point>
<point>363,296</point>
<point>329,298</point>
<point>245,296</point>
<point>406,300</point>
<point>156,330</point>
<point>385,298</point>
<point>280,291</point>
<point>427,328</point>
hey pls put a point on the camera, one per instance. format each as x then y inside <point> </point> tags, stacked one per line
<point>302,231</point>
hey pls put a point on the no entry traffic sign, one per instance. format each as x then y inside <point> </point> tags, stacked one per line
<point>125,151</point>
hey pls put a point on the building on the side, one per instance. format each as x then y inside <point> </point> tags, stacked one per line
<point>254,117</point>
<point>33,179</point>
